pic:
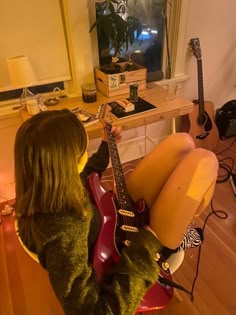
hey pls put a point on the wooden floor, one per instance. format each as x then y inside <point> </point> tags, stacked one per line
<point>25,289</point>
<point>215,289</point>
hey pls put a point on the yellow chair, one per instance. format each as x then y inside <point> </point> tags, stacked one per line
<point>174,261</point>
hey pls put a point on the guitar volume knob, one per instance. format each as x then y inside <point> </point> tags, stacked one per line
<point>165,266</point>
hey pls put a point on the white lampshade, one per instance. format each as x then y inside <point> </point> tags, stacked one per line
<point>21,71</point>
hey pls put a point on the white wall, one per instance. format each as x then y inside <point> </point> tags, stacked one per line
<point>214,23</point>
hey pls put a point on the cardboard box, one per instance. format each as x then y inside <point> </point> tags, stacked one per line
<point>118,83</point>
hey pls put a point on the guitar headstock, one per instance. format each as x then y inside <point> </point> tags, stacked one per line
<point>195,48</point>
<point>103,114</point>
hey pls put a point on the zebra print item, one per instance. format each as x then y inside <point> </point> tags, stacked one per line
<point>192,238</point>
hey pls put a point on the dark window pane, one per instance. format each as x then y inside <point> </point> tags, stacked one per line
<point>45,88</point>
<point>147,49</point>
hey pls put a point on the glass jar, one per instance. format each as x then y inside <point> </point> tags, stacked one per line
<point>89,92</point>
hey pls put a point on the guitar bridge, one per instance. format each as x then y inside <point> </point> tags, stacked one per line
<point>202,136</point>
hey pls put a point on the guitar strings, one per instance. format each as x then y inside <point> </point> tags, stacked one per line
<point>123,197</point>
<point>113,149</point>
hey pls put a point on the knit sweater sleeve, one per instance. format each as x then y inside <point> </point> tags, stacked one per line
<point>75,282</point>
<point>98,162</point>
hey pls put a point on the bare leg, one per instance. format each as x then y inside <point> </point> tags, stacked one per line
<point>188,191</point>
<point>150,175</point>
<point>185,188</point>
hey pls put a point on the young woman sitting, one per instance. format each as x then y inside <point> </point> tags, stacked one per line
<point>58,221</point>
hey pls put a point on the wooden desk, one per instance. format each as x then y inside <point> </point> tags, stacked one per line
<point>156,95</point>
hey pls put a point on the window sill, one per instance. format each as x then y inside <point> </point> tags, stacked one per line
<point>180,79</point>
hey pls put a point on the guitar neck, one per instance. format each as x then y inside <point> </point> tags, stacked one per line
<point>121,189</point>
<point>200,87</point>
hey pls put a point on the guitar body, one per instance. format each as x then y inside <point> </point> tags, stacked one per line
<point>204,135</point>
<point>200,124</point>
<point>106,253</point>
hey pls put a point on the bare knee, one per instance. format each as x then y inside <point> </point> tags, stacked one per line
<point>203,163</point>
<point>181,142</point>
<point>207,157</point>
<point>201,153</point>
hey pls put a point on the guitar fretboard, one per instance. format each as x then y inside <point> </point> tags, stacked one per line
<point>200,87</point>
<point>121,189</point>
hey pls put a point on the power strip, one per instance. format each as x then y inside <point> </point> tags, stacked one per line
<point>232,179</point>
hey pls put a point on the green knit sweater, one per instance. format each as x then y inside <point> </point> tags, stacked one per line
<point>66,255</point>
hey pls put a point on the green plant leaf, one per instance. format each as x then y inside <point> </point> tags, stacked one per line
<point>107,26</point>
<point>131,35</point>
<point>139,29</point>
<point>118,31</point>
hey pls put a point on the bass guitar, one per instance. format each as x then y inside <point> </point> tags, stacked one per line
<point>120,219</point>
<point>200,123</point>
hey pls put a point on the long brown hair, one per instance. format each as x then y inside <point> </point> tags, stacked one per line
<point>48,147</point>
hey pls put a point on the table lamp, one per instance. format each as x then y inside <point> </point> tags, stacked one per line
<point>22,75</point>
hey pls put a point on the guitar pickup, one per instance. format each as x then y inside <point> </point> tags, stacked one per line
<point>126,213</point>
<point>129,228</point>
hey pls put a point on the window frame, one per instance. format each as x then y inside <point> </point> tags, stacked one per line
<point>78,16</point>
<point>177,24</point>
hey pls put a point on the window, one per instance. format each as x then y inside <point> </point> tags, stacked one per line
<point>34,29</point>
<point>147,49</point>
<point>45,88</point>
<point>82,47</point>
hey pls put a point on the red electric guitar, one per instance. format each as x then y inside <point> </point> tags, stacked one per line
<point>120,219</point>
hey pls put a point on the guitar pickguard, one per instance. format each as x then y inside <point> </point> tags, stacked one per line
<point>204,136</point>
<point>208,123</point>
<point>207,126</point>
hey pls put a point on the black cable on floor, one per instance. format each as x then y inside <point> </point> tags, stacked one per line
<point>227,147</point>
<point>228,169</point>
<point>221,214</point>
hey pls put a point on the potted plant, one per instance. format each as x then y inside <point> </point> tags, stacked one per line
<point>117,31</point>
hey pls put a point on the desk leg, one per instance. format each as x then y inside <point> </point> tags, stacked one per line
<point>173,125</point>
<point>147,138</point>
<point>173,128</point>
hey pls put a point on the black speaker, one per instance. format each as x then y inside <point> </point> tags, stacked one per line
<point>226,119</point>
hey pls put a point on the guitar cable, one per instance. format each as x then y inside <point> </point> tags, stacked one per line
<point>221,214</point>
<point>227,169</point>
<point>227,147</point>
<point>222,165</point>
<point>170,283</point>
